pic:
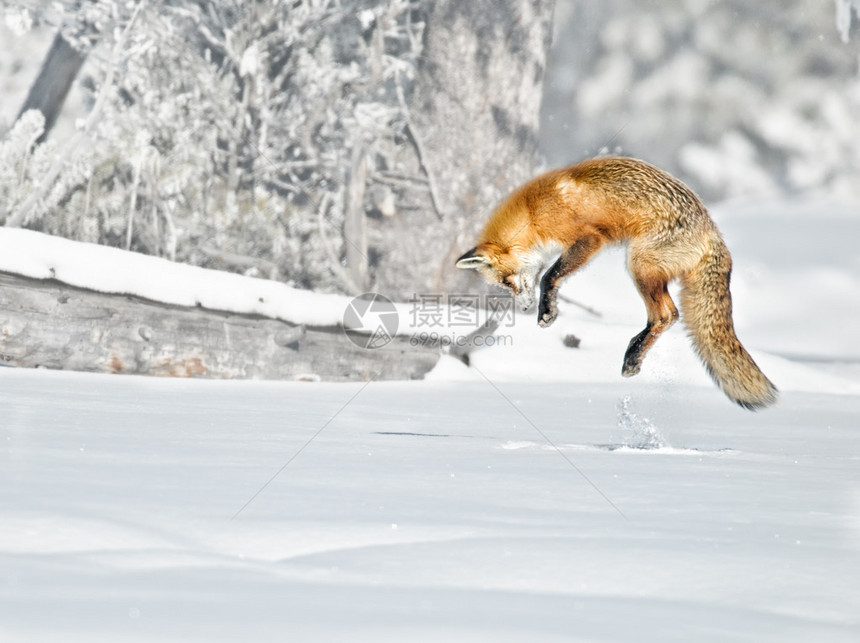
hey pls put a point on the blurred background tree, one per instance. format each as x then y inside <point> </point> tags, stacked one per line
<point>740,99</point>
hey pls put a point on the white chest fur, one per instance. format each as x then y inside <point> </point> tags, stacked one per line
<point>531,265</point>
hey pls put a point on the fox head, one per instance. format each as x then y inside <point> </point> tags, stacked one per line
<point>502,268</point>
<point>487,260</point>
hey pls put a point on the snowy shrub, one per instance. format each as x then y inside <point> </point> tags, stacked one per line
<point>227,133</point>
<point>23,164</point>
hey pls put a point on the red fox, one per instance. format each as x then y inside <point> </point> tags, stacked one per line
<point>576,210</point>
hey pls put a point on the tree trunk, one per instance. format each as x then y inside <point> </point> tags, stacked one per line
<point>354,232</point>
<point>52,85</point>
<point>476,107</point>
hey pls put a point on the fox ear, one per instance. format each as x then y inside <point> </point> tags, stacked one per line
<point>472,259</point>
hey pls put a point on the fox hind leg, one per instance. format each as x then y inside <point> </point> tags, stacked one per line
<point>662,313</point>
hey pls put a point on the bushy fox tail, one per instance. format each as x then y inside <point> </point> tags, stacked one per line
<point>707,313</point>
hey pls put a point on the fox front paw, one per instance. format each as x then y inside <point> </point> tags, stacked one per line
<point>630,368</point>
<point>547,312</point>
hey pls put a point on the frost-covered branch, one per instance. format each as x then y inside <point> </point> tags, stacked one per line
<point>333,258</point>
<point>419,149</point>
<point>47,182</point>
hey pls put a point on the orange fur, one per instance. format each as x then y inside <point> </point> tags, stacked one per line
<point>669,234</point>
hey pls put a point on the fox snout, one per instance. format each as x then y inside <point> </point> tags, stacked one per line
<point>525,299</point>
<point>523,289</point>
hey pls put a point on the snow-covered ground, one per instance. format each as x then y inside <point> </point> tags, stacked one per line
<point>423,512</point>
<point>536,496</point>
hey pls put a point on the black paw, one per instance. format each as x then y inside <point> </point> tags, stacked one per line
<point>630,368</point>
<point>547,312</point>
<point>634,353</point>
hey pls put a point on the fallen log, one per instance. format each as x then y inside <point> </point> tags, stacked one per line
<point>45,323</point>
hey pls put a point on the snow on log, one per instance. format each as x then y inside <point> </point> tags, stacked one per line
<point>113,271</point>
<point>80,306</point>
<point>46,323</point>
